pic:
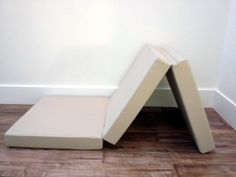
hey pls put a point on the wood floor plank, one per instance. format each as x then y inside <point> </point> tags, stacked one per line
<point>158,144</point>
<point>212,170</point>
<point>14,108</point>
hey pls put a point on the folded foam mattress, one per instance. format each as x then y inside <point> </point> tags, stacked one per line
<point>64,122</point>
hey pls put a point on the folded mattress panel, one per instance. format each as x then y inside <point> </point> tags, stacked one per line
<point>138,84</point>
<point>61,122</point>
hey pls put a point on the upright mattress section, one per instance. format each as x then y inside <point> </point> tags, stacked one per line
<point>136,87</point>
<point>186,94</point>
<point>61,122</point>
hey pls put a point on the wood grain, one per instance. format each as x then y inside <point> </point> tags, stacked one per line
<point>157,144</point>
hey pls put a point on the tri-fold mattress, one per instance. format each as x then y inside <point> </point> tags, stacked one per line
<point>78,122</point>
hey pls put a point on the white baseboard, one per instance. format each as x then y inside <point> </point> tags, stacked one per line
<point>30,94</point>
<point>164,97</point>
<point>226,108</point>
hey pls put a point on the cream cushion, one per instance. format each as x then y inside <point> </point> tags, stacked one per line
<point>83,122</point>
<point>61,122</point>
<point>137,86</point>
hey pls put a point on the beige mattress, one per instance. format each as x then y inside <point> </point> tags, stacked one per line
<point>84,122</point>
<point>61,122</point>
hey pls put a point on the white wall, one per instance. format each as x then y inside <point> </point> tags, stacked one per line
<point>225,100</point>
<point>227,78</point>
<point>52,45</point>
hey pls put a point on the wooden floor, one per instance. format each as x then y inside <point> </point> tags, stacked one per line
<point>157,144</point>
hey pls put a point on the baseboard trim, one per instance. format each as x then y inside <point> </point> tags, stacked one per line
<point>30,94</point>
<point>164,97</point>
<point>225,107</point>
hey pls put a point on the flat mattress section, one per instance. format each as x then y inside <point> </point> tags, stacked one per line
<point>61,122</point>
